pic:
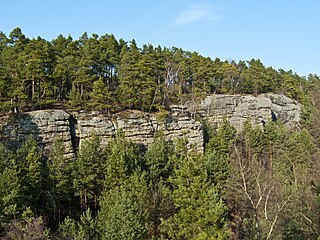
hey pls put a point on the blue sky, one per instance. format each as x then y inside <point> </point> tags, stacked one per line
<point>281,33</point>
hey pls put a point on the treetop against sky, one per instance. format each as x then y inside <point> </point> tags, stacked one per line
<point>280,33</point>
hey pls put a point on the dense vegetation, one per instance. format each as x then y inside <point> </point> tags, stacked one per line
<point>108,75</point>
<point>256,184</point>
<point>260,184</point>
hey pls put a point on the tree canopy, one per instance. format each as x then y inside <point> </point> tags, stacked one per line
<point>106,74</point>
<point>260,183</point>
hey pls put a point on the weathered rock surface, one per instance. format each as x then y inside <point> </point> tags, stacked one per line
<point>259,110</point>
<point>48,125</point>
<point>44,125</point>
<point>140,127</point>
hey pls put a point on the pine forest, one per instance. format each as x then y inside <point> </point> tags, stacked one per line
<point>260,183</point>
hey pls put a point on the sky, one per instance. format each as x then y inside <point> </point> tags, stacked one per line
<point>283,34</point>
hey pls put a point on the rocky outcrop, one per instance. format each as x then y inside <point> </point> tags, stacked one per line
<point>259,110</point>
<point>140,127</point>
<point>45,126</point>
<point>73,128</point>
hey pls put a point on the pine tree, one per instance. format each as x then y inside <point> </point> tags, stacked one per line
<point>4,76</point>
<point>157,159</point>
<point>218,152</point>
<point>137,86</point>
<point>109,59</point>
<point>64,65</point>
<point>88,172</point>
<point>37,57</point>
<point>202,75</point>
<point>31,173</point>
<point>60,193</point>
<point>123,159</point>
<point>10,193</point>
<point>12,56</point>
<point>122,213</point>
<point>200,211</point>
<point>101,96</point>
<point>84,229</point>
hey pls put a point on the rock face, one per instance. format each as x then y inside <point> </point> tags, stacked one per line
<point>140,127</point>
<point>73,128</point>
<point>45,126</point>
<point>259,110</point>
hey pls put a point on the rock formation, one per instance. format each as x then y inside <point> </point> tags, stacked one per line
<point>259,110</point>
<point>140,127</point>
<point>72,128</point>
<point>44,125</point>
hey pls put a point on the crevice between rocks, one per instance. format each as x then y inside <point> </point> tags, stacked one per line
<point>75,140</point>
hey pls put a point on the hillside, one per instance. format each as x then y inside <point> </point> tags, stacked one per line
<point>101,139</point>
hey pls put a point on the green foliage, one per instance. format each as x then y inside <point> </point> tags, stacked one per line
<point>59,168</point>
<point>10,191</point>
<point>101,96</point>
<point>208,132</point>
<point>122,160</point>
<point>68,229</point>
<point>270,176</point>
<point>218,152</point>
<point>200,211</point>
<point>30,172</point>
<point>76,101</point>
<point>261,183</point>
<point>122,214</point>
<point>109,75</point>
<point>255,78</point>
<point>60,179</point>
<point>86,228</point>
<point>136,88</point>
<point>157,159</point>
<point>28,227</point>
<point>88,172</point>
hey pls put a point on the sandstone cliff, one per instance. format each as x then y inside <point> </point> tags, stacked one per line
<point>240,108</point>
<point>140,127</point>
<point>73,128</point>
<point>44,125</point>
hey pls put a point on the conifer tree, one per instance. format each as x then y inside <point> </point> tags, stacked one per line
<point>64,65</point>
<point>218,152</point>
<point>61,192</point>
<point>200,211</point>
<point>31,172</point>
<point>88,172</point>
<point>84,229</point>
<point>12,56</point>
<point>202,75</point>
<point>123,159</point>
<point>101,96</point>
<point>123,210</point>
<point>157,159</point>
<point>109,59</point>
<point>137,86</point>
<point>37,57</point>
<point>10,193</point>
